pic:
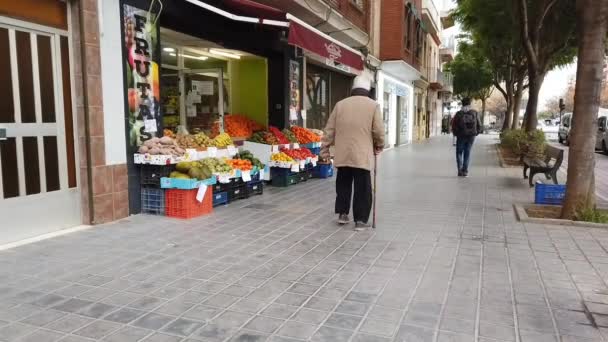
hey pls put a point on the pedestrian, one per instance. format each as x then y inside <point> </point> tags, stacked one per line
<point>355,130</point>
<point>466,126</point>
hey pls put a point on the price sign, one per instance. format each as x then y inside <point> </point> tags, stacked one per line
<point>200,195</point>
<point>246,175</point>
<point>296,146</point>
<point>262,171</point>
<point>150,126</point>
<point>224,178</point>
<point>275,149</point>
<point>212,151</point>
<point>286,146</point>
<point>295,167</point>
<point>302,164</point>
<point>314,162</point>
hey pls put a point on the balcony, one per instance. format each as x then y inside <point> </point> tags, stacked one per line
<point>446,19</point>
<point>430,16</point>
<point>443,82</point>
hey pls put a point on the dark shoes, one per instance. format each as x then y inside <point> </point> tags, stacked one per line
<point>463,174</point>
<point>343,219</point>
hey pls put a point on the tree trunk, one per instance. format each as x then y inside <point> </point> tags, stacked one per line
<point>509,114</point>
<point>592,20</point>
<point>483,114</point>
<point>519,92</point>
<point>536,81</point>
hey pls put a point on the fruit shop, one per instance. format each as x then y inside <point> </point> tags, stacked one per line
<point>213,108</point>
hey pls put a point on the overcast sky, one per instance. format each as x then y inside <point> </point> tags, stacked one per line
<point>555,83</point>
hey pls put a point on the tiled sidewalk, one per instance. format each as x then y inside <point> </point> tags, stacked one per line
<point>448,262</point>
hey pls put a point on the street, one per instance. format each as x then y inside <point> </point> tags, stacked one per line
<point>601,172</point>
<point>448,262</point>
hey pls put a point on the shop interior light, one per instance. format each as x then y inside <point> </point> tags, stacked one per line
<point>224,53</point>
<point>169,49</point>
<point>200,58</point>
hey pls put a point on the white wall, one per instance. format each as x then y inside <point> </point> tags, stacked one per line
<point>112,82</point>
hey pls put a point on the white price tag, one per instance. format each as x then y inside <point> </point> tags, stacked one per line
<point>246,175</point>
<point>295,167</point>
<point>274,149</point>
<point>224,178</point>
<point>200,195</point>
<point>287,146</point>
<point>212,151</point>
<point>302,164</point>
<point>296,146</point>
<point>150,126</point>
<point>231,150</point>
<point>314,162</point>
<point>262,174</point>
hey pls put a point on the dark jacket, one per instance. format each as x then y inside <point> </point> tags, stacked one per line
<point>456,129</point>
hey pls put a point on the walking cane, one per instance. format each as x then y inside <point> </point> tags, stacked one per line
<point>374,195</point>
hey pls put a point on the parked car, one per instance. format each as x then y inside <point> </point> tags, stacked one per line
<point>601,143</point>
<point>549,128</point>
<point>563,134</point>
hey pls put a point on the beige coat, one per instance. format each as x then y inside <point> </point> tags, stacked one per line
<point>353,129</point>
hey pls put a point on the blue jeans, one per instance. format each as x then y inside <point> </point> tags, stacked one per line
<point>463,152</point>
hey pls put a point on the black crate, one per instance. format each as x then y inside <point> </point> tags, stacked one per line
<point>220,198</point>
<point>285,181</point>
<point>302,176</point>
<point>153,201</point>
<point>238,192</point>
<point>150,175</point>
<point>255,188</point>
<point>219,187</point>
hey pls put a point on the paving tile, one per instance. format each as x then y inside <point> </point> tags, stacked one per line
<point>232,319</point>
<point>43,318</point>
<point>297,330</point>
<point>264,324</point>
<point>124,315</point>
<point>328,334</point>
<point>153,321</point>
<point>158,337</point>
<point>182,327</point>
<point>97,310</point>
<point>97,329</point>
<point>279,311</point>
<point>213,333</point>
<point>376,327</point>
<point>43,336</point>
<point>249,336</point>
<point>310,316</point>
<point>348,322</point>
<point>202,313</point>
<point>248,305</point>
<point>127,334</point>
<point>69,323</point>
<point>16,330</point>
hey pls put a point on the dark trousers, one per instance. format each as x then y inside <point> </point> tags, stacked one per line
<point>362,201</point>
<point>463,152</point>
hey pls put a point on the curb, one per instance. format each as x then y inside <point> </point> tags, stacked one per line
<point>522,216</point>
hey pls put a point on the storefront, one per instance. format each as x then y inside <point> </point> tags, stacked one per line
<point>396,100</point>
<point>39,182</point>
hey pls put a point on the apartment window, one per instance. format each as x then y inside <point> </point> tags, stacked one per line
<point>360,4</point>
<point>419,42</point>
<point>407,34</point>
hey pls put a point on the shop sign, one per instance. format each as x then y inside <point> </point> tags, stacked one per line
<point>332,63</point>
<point>294,88</point>
<point>142,75</point>
<point>312,41</point>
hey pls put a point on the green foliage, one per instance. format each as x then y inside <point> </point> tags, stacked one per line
<point>472,72</point>
<point>591,215</point>
<point>522,143</point>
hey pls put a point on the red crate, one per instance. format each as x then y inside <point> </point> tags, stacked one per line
<point>183,203</point>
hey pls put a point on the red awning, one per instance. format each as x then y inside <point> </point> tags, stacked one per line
<point>314,41</point>
<point>254,9</point>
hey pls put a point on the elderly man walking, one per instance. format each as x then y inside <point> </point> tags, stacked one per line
<point>356,131</point>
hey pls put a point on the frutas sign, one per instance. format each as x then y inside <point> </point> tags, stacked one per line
<point>142,75</point>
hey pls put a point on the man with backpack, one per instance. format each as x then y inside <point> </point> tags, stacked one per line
<point>465,126</point>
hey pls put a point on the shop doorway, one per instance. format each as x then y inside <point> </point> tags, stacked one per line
<point>38,180</point>
<point>403,121</point>
<point>202,82</point>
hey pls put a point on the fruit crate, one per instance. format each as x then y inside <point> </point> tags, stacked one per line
<point>150,175</point>
<point>153,201</point>
<point>323,171</point>
<point>183,203</point>
<point>238,192</point>
<point>302,176</point>
<point>220,187</point>
<point>549,193</point>
<point>281,172</point>
<point>285,181</point>
<point>220,198</point>
<point>255,188</point>
<point>185,184</point>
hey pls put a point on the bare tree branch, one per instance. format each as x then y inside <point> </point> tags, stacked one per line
<point>523,9</point>
<point>541,20</point>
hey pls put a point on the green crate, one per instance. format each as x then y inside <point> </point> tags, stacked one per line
<point>285,180</point>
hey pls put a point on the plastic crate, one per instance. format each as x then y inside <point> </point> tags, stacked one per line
<point>280,172</point>
<point>323,171</point>
<point>302,176</point>
<point>285,181</point>
<point>549,193</point>
<point>185,184</point>
<point>150,175</point>
<point>220,187</point>
<point>315,150</point>
<point>153,201</point>
<point>220,198</point>
<point>238,192</point>
<point>255,188</point>
<point>183,203</point>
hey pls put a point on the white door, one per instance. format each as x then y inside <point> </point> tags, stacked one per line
<point>38,179</point>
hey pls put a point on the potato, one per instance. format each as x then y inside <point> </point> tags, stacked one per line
<point>166,152</point>
<point>166,141</point>
<point>143,149</point>
<point>154,151</point>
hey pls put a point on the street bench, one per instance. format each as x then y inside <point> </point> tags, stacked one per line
<point>549,166</point>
